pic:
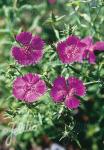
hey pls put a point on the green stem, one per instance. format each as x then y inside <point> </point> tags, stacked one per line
<point>46,79</point>
<point>74,69</point>
<point>19,71</point>
<point>15,4</point>
<point>56,32</point>
<point>12,66</point>
<point>92,82</point>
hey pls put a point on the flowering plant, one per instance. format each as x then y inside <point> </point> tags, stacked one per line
<point>53,79</point>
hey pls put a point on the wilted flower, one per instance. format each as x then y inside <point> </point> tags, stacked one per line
<point>91,48</point>
<point>51,1</point>
<point>71,50</point>
<point>67,91</point>
<point>31,49</point>
<point>29,87</point>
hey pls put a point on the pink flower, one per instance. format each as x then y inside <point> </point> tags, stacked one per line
<point>31,49</point>
<point>29,87</point>
<point>52,1</point>
<point>67,90</point>
<point>71,50</point>
<point>91,48</point>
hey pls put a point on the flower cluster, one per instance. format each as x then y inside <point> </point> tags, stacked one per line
<point>30,87</point>
<point>74,49</point>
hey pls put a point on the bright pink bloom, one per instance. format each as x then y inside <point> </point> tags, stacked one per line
<point>67,90</point>
<point>52,1</point>
<point>91,48</point>
<point>29,87</point>
<point>71,50</point>
<point>31,49</point>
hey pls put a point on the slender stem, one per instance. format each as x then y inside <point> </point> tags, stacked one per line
<point>15,4</point>
<point>19,71</point>
<point>12,66</point>
<point>97,14</point>
<point>92,82</point>
<point>46,79</point>
<point>74,69</point>
<point>6,43</point>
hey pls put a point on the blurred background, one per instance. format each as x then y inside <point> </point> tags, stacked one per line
<point>45,125</point>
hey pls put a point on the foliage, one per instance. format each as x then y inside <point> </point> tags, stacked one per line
<point>53,22</point>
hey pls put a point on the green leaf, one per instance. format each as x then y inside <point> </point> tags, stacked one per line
<point>86,17</point>
<point>56,32</point>
<point>40,118</point>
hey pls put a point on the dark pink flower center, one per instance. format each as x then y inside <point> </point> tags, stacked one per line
<point>71,92</point>
<point>31,86</point>
<point>71,51</point>
<point>27,49</point>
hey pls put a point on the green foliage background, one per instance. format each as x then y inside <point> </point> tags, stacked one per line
<point>52,22</point>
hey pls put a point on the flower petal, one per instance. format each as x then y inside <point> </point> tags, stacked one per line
<point>61,46</point>
<point>99,46</point>
<point>72,40</point>
<point>59,90</point>
<point>57,95</point>
<point>72,102</point>
<point>77,85</point>
<point>21,57</point>
<point>85,54</point>
<point>60,83</point>
<point>26,58</point>
<point>61,51</point>
<point>38,89</point>
<point>31,78</point>
<point>92,57</point>
<point>88,41</point>
<point>36,56</point>
<point>19,88</point>
<point>24,38</point>
<point>31,96</point>
<point>18,54</point>
<point>37,43</point>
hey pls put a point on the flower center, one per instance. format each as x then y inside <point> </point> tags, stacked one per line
<point>71,51</point>
<point>32,86</point>
<point>71,92</point>
<point>27,49</point>
<point>91,49</point>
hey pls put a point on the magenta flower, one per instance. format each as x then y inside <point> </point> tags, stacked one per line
<point>29,87</point>
<point>71,50</point>
<point>67,90</point>
<point>91,48</point>
<point>31,49</point>
<point>52,1</point>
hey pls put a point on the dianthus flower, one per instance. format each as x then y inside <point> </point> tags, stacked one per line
<point>29,87</point>
<point>67,91</point>
<point>91,48</point>
<point>71,50</point>
<point>30,50</point>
